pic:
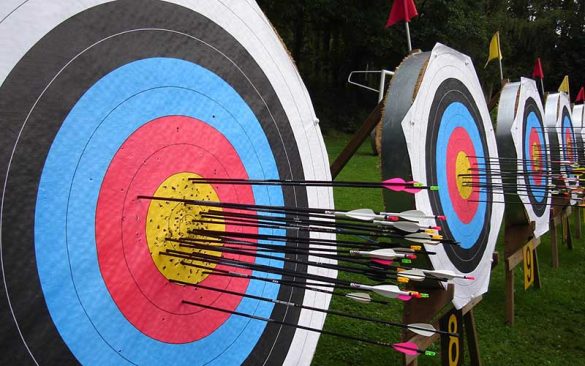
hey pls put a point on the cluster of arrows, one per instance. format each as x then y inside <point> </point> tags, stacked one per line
<point>565,182</point>
<point>378,245</point>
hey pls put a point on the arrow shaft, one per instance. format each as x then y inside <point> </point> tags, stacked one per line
<point>312,308</point>
<point>298,326</point>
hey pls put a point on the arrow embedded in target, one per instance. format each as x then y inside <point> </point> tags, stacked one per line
<point>406,348</point>
<point>393,184</point>
<point>424,329</point>
<point>388,254</point>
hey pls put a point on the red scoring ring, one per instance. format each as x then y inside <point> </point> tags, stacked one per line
<point>156,151</point>
<point>459,141</point>
<point>533,140</point>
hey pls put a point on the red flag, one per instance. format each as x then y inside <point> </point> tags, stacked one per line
<point>580,95</point>
<point>537,72</point>
<point>401,10</point>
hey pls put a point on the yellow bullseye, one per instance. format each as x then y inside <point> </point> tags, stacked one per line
<point>536,156</point>
<point>174,220</point>
<point>462,170</point>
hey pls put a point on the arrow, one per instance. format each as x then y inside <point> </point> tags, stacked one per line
<point>416,274</point>
<point>411,348</point>
<point>367,214</point>
<point>411,215</point>
<point>391,292</point>
<point>406,226</point>
<point>393,184</point>
<point>302,285</point>
<point>372,229</point>
<point>387,254</point>
<point>423,329</point>
<point>231,250</point>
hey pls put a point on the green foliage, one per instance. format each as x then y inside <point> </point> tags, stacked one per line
<point>330,38</point>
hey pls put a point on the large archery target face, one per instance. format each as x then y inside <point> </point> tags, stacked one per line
<point>520,123</point>
<point>116,101</point>
<point>448,131</point>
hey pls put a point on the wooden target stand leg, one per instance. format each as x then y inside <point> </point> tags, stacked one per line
<point>567,237</point>
<point>520,247</point>
<point>357,139</point>
<point>559,217</point>
<point>439,310</point>
<point>578,221</point>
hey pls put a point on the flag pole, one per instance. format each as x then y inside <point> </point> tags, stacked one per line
<point>542,85</point>
<point>500,57</point>
<point>408,37</point>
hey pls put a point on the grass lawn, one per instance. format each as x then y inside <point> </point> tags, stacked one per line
<point>548,321</point>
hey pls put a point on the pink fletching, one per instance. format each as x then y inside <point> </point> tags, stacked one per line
<point>394,184</point>
<point>384,262</point>
<point>408,348</point>
<point>412,190</point>
<point>404,297</point>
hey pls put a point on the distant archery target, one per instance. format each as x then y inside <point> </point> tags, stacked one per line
<point>563,141</point>
<point>102,104</point>
<point>523,142</point>
<point>444,137</point>
<point>579,124</point>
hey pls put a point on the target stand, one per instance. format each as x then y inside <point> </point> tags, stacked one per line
<point>523,146</point>
<point>520,247</point>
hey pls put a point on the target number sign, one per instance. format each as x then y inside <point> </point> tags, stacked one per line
<point>529,264</point>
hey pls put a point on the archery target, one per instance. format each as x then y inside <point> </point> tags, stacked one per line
<point>441,135</point>
<point>579,125</point>
<point>523,142</point>
<point>102,101</point>
<point>562,137</point>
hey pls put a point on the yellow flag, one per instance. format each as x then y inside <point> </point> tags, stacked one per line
<point>495,51</point>
<point>564,87</point>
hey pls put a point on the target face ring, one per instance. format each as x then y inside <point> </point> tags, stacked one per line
<point>452,131</point>
<point>132,95</point>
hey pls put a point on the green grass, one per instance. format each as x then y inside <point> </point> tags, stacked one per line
<point>549,321</point>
